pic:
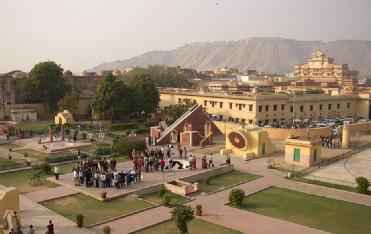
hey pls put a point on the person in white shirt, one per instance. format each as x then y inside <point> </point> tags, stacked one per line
<point>57,171</point>
<point>211,163</point>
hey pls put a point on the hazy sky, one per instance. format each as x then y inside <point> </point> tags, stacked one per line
<point>79,34</point>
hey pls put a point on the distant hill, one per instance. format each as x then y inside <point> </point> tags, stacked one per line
<point>272,55</point>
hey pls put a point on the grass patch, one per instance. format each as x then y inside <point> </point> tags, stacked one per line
<point>154,197</point>
<point>225,180</point>
<point>6,164</point>
<point>93,210</point>
<point>319,212</point>
<point>195,226</point>
<point>21,179</point>
<point>33,153</point>
<point>10,146</point>
<point>36,127</point>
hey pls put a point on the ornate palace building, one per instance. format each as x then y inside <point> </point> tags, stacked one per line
<point>322,69</point>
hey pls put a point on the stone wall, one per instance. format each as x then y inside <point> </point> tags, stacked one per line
<point>209,173</point>
<point>283,133</point>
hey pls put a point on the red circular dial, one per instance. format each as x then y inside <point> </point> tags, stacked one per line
<point>237,140</point>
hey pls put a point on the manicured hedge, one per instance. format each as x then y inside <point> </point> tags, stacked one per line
<point>118,127</point>
<point>125,145</point>
<point>64,158</point>
<point>151,123</point>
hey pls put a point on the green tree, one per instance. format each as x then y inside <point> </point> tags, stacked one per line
<point>236,197</point>
<point>362,184</point>
<point>163,76</point>
<point>181,215</point>
<point>144,94</point>
<point>45,84</point>
<point>69,102</point>
<point>110,99</point>
<point>177,110</point>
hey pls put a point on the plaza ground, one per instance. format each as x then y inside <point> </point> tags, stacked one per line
<point>346,170</point>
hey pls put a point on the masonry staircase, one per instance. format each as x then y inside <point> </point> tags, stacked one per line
<point>179,120</point>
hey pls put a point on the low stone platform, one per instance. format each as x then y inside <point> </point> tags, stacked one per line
<point>52,146</point>
<point>150,181</point>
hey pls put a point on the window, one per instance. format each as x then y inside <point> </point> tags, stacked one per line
<point>315,155</point>
<point>212,104</point>
<point>230,105</point>
<point>311,107</point>
<point>240,106</point>
<point>297,155</point>
<point>250,107</point>
<point>221,104</point>
<point>291,109</point>
<point>348,105</point>
<point>260,108</point>
<point>338,105</point>
<point>205,102</point>
<point>301,108</point>
<point>283,107</point>
<point>320,107</point>
<point>266,108</point>
<point>329,106</point>
<point>275,107</point>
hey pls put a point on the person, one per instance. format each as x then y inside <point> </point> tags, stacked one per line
<point>194,162</point>
<point>211,163</point>
<point>57,171</point>
<point>162,164</point>
<point>190,160</point>
<point>180,151</point>
<point>228,160</point>
<point>170,163</point>
<point>12,231</point>
<point>30,230</point>
<point>50,227</point>
<point>75,176</point>
<point>204,164</point>
<point>79,155</point>
<point>19,231</point>
<point>185,152</point>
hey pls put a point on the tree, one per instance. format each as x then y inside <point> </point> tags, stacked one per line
<point>45,84</point>
<point>144,94</point>
<point>177,110</point>
<point>362,185</point>
<point>181,215</point>
<point>236,197</point>
<point>163,76</point>
<point>110,99</point>
<point>69,102</point>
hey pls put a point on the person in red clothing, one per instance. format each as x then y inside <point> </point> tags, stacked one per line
<point>162,164</point>
<point>50,227</point>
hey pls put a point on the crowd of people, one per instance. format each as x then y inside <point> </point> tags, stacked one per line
<point>331,142</point>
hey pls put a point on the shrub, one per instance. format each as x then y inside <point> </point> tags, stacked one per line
<point>151,123</point>
<point>118,127</point>
<point>208,180</point>
<point>161,192</point>
<point>83,136</point>
<point>198,210</point>
<point>125,145</point>
<point>64,158</point>
<point>236,197</point>
<point>80,220</point>
<point>166,199</point>
<point>102,150</point>
<point>362,185</point>
<point>181,215</point>
<point>142,130</point>
<point>106,230</point>
<point>46,168</point>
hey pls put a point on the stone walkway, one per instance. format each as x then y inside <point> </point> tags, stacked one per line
<point>50,193</point>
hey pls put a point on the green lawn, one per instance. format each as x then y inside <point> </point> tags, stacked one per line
<point>196,226</point>
<point>10,146</point>
<point>6,164</point>
<point>21,179</point>
<point>224,180</point>
<point>93,210</point>
<point>319,212</point>
<point>33,153</point>
<point>175,198</point>
<point>37,127</point>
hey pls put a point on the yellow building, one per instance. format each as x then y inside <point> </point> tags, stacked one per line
<point>302,151</point>
<point>64,117</point>
<point>272,109</point>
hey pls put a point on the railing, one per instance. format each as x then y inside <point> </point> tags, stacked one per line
<point>329,161</point>
<point>331,180</point>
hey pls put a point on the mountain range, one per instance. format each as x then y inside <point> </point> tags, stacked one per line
<point>270,55</point>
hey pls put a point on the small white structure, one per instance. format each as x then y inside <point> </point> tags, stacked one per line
<point>23,115</point>
<point>64,117</point>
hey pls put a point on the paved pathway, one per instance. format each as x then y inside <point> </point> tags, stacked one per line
<point>50,193</point>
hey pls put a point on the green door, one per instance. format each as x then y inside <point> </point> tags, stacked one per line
<point>263,149</point>
<point>296,154</point>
